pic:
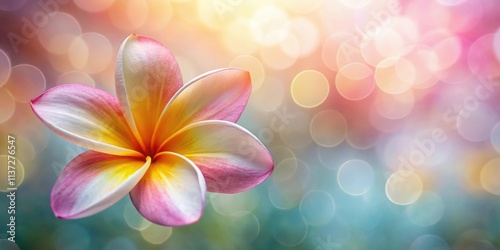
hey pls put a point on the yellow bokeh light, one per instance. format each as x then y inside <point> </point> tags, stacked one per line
<point>270,25</point>
<point>403,187</point>
<point>252,65</point>
<point>129,15</point>
<point>156,234</point>
<point>489,176</point>
<point>395,75</point>
<point>307,35</point>
<point>237,37</point>
<point>310,88</point>
<point>133,218</point>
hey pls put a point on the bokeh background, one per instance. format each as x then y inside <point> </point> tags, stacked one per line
<point>382,116</point>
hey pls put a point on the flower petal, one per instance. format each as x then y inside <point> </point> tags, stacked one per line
<point>147,76</point>
<point>172,193</point>
<point>231,159</point>
<point>218,95</point>
<point>94,181</point>
<point>87,117</point>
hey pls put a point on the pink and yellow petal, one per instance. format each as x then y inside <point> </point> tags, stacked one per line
<point>218,95</point>
<point>231,159</point>
<point>87,117</point>
<point>147,76</point>
<point>94,181</point>
<point>172,192</point>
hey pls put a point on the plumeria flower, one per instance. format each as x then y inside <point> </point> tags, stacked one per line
<point>164,143</point>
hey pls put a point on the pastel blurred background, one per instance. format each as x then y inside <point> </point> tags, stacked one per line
<point>382,116</point>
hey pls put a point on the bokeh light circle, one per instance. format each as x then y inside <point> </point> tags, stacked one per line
<point>328,128</point>
<point>5,67</point>
<point>448,51</point>
<point>355,177</point>
<point>57,36</point>
<point>307,35</point>
<point>78,77</point>
<point>93,5</point>
<point>294,132</point>
<point>496,44</point>
<point>8,245</point>
<point>395,75</point>
<point>133,218</point>
<point>403,187</point>
<point>489,176</point>
<point>91,53</point>
<point>253,66</point>
<point>268,97</point>
<point>482,60</point>
<point>8,105</point>
<point>286,191</point>
<point>474,110</point>
<point>331,48</point>
<point>238,39</point>
<point>129,15</point>
<point>310,88</point>
<point>247,223</point>
<point>270,25</point>
<point>394,106</point>
<point>427,210</point>
<point>25,83</point>
<point>317,207</point>
<point>280,56</point>
<point>350,52</point>
<point>388,44</point>
<point>355,81</point>
<point>156,234</point>
<point>429,241</point>
<point>289,228</point>
<point>495,137</point>
<point>227,204</point>
<point>285,169</point>
<point>425,61</point>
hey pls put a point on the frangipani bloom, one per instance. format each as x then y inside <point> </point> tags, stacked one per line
<point>163,142</point>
